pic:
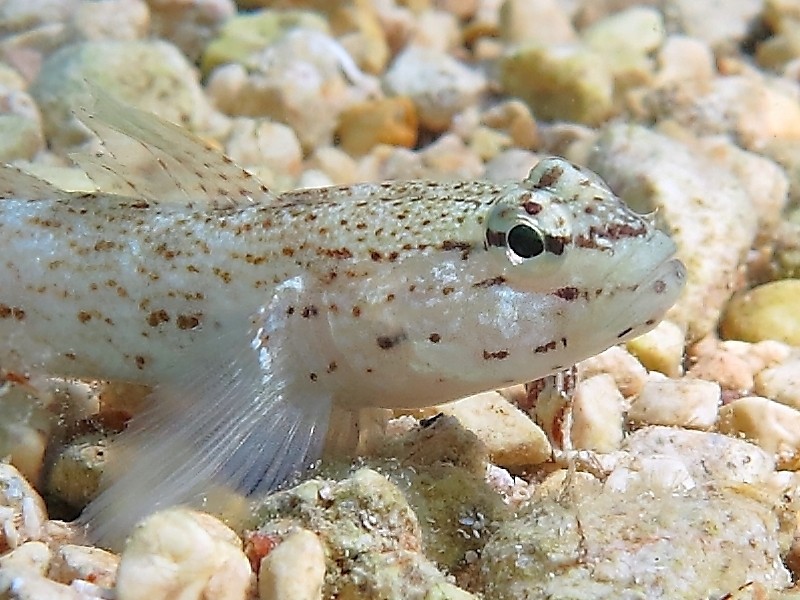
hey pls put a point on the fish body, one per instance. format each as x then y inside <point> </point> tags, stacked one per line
<point>255,314</point>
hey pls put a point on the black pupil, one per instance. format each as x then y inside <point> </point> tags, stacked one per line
<point>525,241</point>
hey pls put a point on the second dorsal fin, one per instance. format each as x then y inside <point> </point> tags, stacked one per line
<point>147,157</point>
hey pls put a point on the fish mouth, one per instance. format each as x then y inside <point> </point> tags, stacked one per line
<point>658,292</point>
<point>667,280</point>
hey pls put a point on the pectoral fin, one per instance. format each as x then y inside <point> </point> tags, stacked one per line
<point>244,414</point>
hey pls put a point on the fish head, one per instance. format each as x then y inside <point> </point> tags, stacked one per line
<point>581,271</point>
<point>541,274</point>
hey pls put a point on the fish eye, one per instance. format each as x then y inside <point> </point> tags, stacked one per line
<point>525,241</point>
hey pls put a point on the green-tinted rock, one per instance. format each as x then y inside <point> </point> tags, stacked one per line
<point>767,312</point>
<point>149,74</point>
<point>589,540</point>
<point>560,83</point>
<point>75,475</point>
<point>626,40</point>
<point>19,138</point>
<point>247,33</point>
<point>371,535</point>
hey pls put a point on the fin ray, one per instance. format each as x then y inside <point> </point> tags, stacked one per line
<point>244,421</point>
<point>178,167</point>
<point>19,184</point>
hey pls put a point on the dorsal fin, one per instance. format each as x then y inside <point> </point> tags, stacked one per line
<point>16,183</point>
<point>175,165</point>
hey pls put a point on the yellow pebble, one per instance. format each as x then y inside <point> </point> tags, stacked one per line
<point>390,121</point>
<point>768,312</point>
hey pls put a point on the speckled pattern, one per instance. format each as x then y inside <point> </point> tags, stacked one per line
<point>391,294</point>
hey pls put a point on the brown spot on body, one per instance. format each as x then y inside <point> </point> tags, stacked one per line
<point>255,260</point>
<point>165,252</point>
<point>225,276</point>
<point>84,317</point>
<point>156,317</point>
<point>659,286</point>
<point>309,311</point>
<point>447,290</point>
<point>496,355</point>
<point>568,293</point>
<point>464,247</point>
<point>332,366</point>
<point>612,231</point>
<point>337,253</point>
<point>11,311</point>
<point>496,238</point>
<point>140,362</point>
<point>190,321</point>
<point>549,177</point>
<point>356,311</point>
<point>555,245</point>
<point>435,338</point>
<point>531,207</point>
<point>313,376</point>
<point>499,280</point>
<point>104,245</point>
<point>387,342</point>
<point>551,345</point>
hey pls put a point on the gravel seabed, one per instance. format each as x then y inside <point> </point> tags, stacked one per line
<point>675,475</point>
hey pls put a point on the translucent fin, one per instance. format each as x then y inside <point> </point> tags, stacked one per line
<point>147,157</point>
<point>16,183</point>
<point>355,432</point>
<point>244,416</point>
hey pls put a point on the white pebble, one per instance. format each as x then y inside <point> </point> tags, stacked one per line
<point>295,569</point>
<point>781,383</point>
<point>628,373</point>
<point>511,437</point>
<point>661,349</point>
<point>180,553</point>
<point>23,584</point>
<point>254,142</point>
<point>438,84</point>
<point>73,562</point>
<point>690,403</point>
<point>715,361</point>
<point>773,426</point>
<point>31,556</point>
<point>597,415</point>
<point>651,472</point>
<point>709,457</point>
<point>22,512</point>
<point>286,80</point>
